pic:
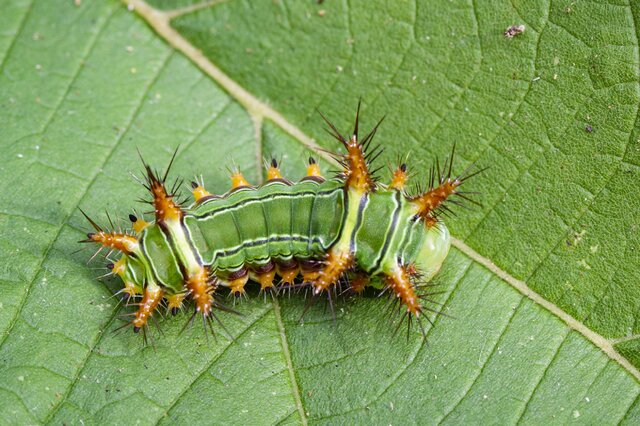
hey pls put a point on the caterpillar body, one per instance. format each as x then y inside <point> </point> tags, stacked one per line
<point>318,233</point>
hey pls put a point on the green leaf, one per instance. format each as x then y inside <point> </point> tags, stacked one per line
<point>540,287</point>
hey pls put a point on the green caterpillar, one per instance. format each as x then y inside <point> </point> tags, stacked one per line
<point>346,229</point>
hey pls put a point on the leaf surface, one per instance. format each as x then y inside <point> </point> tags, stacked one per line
<point>84,85</point>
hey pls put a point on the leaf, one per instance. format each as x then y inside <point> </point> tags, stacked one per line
<point>85,84</point>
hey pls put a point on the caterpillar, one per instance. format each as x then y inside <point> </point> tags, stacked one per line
<point>320,234</point>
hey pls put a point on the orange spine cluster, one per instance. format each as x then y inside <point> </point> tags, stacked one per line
<point>399,179</point>
<point>429,201</point>
<point>150,301</point>
<point>336,264</point>
<point>359,282</point>
<point>401,285</point>
<point>201,289</point>
<point>358,175</point>
<point>117,241</point>
<point>165,207</point>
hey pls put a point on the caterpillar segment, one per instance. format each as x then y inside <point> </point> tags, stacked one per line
<point>358,282</point>
<point>316,233</point>
<point>358,183</point>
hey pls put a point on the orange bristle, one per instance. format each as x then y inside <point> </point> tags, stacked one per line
<point>200,289</point>
<point>400,283</point>
<point>400,177</point>
<point>118,241</point>
<point>359,282</point>
<point>358,175</point>
<point>164,207</point>
<point>429,201</point>
<point>336,264</point>
<point>355,162</point>
<point>150,300</point>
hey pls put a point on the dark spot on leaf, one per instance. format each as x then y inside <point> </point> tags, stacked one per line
<point>514,30</point>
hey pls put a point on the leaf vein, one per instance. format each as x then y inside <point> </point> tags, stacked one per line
<point>15,37</point>
<point>108,157</point>
<point>287,355</point>
<point>23,300</point>
<point>496,345</point>
<point>411,361</point>
<point>501,130</point>
<point>206,368</point>
<point>542,376</point>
